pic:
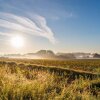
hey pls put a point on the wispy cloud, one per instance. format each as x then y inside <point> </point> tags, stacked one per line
<point>36,25</point>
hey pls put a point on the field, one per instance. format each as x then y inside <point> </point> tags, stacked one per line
<point>24,79</point>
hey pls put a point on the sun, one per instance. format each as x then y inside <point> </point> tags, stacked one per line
<point>17,41</point>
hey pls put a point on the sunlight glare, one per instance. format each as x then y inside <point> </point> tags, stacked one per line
<point>17,41</point>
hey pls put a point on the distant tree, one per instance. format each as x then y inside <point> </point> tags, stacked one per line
<point>96,55</point>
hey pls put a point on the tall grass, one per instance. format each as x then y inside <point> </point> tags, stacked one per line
<point>22,82</point>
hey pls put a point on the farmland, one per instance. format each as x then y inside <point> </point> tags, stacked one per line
<point>27,79</point>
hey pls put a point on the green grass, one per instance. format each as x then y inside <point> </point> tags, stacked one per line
<point>37,80</point>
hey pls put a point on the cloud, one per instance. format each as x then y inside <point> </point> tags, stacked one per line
<point>36,25</point>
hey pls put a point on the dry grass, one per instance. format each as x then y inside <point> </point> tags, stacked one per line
<point>24,81</point>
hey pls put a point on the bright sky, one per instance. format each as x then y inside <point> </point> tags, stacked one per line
<point>58,25</point>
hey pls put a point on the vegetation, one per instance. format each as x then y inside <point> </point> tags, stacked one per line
<point>23,79</point>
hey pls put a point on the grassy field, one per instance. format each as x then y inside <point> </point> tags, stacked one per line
<point>24,79</point>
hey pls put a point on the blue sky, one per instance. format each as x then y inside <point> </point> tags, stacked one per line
<point>59,25</point>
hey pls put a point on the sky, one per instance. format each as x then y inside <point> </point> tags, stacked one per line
<point>58,25</point>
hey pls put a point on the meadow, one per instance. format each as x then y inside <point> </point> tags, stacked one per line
<point>27,79</point>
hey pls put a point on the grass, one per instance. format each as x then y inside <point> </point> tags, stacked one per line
<point>33,80</point>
